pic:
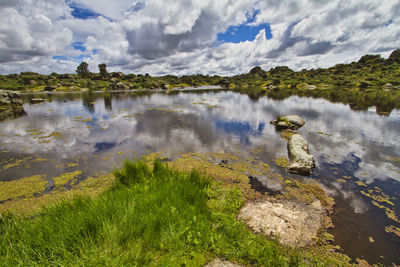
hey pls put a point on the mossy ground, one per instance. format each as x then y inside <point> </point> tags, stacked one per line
<point>184,217</point>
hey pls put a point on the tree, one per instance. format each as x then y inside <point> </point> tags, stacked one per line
<point>83,69</point>
<point>103,70</point>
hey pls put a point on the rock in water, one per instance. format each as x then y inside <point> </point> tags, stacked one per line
<point>300,161</point>
<point>36,100</point>
<point>296,120</point>
<point>10,98</point>
<point>289,122</point>
<point>388,87</point>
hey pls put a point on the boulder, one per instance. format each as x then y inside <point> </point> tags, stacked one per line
<point>50,88</point>
<point>10,98</point>
<point>296,224</point>
<point>293,122</point>
<point>387,87</point>
<point>301,162</point>
<point>306,86</point>
<point>122,86</point>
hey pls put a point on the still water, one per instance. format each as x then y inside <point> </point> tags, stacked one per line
<point>357,152</point>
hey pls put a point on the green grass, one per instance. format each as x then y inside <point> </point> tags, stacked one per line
<point>152,216</point>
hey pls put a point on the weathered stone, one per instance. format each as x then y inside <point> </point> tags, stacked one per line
<point>296,224</point>
<point>296,120</point>
<point>387,87</point>
<point>301,162</point>
<point>10,98</point>
<point>122,86</point>
<point>306,86</point>
<point>289,122</point>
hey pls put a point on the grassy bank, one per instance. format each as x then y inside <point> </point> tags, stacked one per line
<point>151,216</point>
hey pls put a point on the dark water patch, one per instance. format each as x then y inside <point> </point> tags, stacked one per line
<point>258,186</point>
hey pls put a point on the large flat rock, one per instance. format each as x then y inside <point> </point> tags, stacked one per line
<point>295,224</point>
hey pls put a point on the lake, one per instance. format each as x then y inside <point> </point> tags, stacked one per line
<point>357,152</point>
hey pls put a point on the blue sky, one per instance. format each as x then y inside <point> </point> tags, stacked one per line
<point>82,13</point>
<point>246,31</point>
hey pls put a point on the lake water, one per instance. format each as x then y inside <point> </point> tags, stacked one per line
<point>357,152</point>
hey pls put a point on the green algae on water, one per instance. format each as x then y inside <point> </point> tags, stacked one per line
<point>24,187</point>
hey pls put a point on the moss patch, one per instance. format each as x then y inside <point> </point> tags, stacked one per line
<point>24,187</point>
<point>91,187</point>
<point>393,229</point>
<point>63,179</point>
<point>282,161</point>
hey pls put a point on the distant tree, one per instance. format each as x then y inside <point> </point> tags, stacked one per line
<point>83,69</point>
<point>103,70</point>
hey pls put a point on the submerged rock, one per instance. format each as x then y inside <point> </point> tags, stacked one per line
<point>289,122</point>
<point>10,98</point>
<point>296,224</point>
<point>301,162</point>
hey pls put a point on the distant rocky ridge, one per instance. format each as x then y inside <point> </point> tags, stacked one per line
<point>370,71</point>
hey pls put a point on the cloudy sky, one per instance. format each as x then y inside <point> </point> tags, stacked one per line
<point>223,37</point>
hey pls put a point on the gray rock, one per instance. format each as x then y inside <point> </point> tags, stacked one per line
<point>301,162</point>
<point>296,224</point>
<point>10,98</point>
<point>122,86</point>
<point>387,87</point>
<point>293,122</point>
<point>296,120</point>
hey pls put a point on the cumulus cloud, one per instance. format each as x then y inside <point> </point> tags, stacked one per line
<point>159,37</point>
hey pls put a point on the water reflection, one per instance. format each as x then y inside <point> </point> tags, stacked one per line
<point>11,113</point>
<point>95,131</point>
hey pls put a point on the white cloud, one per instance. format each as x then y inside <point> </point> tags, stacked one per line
<point>160,37</point>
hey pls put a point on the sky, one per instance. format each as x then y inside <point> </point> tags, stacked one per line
<point>183,37</point>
